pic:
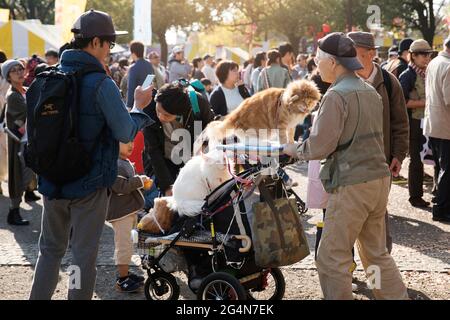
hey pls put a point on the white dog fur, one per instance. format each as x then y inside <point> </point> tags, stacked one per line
<point>196,180</point>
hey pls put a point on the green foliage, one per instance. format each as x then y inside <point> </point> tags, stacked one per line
<point>31,9</point>
<point>121,12</point>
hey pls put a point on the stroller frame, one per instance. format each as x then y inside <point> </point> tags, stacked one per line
<point>160,282</point>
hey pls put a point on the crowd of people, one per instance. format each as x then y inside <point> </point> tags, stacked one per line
<point>371,117</point>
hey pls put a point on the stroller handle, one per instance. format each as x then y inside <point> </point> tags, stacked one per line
<point>246,242</point>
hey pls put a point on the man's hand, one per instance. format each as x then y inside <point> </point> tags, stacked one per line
<point>142,97</point>
<point>395,167</point>
<point>291,149</point>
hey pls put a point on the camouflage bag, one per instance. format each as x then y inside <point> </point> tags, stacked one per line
<point>278,235</point>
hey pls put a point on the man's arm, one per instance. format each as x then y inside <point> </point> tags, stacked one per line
<point>407,84</point>
<point>399,122</point>
<point>123,125</point>
<point>326,130</point>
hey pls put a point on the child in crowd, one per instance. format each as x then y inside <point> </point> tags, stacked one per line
<point>126,200</point>
<point>208,86</point>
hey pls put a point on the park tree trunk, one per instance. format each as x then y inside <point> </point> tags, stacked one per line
<point>294,40</point>
<point>164,47</point>
<point>426,21</point>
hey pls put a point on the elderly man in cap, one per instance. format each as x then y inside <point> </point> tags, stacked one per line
<point>437,127</point>
<point>77,210</point>
<point>178,67</point>
<point>348,133</point>
<point>395,116</point>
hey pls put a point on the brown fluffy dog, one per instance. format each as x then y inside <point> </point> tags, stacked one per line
<point>160,217</point>
<point>270,109</point>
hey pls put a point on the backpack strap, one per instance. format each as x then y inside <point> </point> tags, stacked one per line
<point>387,82</point>
<point>194,100</point>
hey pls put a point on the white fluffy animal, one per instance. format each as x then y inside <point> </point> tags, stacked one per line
<point>197,179</point>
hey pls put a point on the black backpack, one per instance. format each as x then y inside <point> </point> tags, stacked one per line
<point>53,150</point>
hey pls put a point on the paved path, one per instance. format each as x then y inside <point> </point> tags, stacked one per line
<point>421,250</point>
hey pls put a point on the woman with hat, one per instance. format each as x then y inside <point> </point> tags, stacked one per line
<point>172,110</point>
<point>19,177</point>
<point>4,87</point>
<point>413,85</point>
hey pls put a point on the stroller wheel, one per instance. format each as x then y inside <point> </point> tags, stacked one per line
<point>221,286</point>
<point>272,286</point>
<point>161,286</point>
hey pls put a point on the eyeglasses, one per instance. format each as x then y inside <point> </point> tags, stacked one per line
<point>112,45</point>
<point>16,70</point>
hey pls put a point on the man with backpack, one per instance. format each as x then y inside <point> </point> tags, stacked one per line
<point>395,117</point>
<point>77,171</point>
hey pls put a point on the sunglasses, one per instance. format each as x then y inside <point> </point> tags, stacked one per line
<point>112,45</point>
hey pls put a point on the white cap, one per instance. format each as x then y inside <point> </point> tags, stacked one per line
<point>178,49</point>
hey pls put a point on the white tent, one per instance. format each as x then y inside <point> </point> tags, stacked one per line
<point>24,38</point>
<point>235,54</point>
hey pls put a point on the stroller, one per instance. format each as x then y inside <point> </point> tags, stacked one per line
<point>215,247</point>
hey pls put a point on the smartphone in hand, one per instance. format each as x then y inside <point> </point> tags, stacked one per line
<point>148,81</point>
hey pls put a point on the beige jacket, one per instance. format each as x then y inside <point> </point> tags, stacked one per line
<point>437,110</point>
<point>351,113</point>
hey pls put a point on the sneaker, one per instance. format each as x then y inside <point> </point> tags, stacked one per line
<point>419,203</point>
<point>195,283</point>
<point>127,285</point>
<point>15,219</point>
<point>136,278</point>
<point>399,180</point>
<point>442,217</point>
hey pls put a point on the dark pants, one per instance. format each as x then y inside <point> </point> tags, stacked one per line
<point>415,170</point>
<point>441,154</point>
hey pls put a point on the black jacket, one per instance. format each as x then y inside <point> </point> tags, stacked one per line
<point>165,170</point>
<point>219,103</point>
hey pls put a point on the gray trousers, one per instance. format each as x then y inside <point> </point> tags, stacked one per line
<point>86,217</point>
